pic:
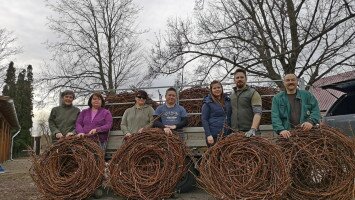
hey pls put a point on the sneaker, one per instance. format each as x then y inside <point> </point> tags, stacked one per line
<point>2,170</point>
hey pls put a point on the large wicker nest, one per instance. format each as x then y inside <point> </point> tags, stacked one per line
<point>322,164</point>
<point>72,168</point>
<point>123,101</point>
<point>267,102</point>
<point>238,167</point>
<point>148,165</point>
<point>193,106</point>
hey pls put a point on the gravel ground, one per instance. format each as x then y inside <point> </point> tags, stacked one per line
<point>16,183</point>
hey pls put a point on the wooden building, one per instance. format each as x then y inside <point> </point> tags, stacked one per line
<point>8,126</point>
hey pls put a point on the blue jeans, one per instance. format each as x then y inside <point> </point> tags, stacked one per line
<point>103,145</point>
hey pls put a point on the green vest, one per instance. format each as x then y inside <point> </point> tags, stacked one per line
<point>242,111</point>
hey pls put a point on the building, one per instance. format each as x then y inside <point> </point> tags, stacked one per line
<point>9,127</point>
<point>326,98</point>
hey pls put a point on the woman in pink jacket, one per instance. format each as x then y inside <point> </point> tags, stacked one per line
<point>95,121</point>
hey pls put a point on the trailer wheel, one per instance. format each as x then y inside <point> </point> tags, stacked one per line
<point>188,182</point>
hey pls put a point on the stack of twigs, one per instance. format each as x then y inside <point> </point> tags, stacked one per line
<point>148,165</point>
<point>322,164</point>
<point>70,169</point>
<point>238,167</point>
<point>193,106</point>
<point>118,103</point>
<point>267,102</point>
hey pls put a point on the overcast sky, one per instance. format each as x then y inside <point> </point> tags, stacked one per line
<point>28,21</point>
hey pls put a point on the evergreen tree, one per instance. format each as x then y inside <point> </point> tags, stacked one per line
<point>25,107</point>
<point>23,139</point>
<point>21,91</point>
<point>29,92</point>
<point>10,81</point>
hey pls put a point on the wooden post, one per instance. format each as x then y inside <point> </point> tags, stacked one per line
<point>2,143</point>
<point>37,145</point>
<point>7,141</point>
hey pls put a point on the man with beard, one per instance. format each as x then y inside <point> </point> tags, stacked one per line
<point>246,105</point>
<point>293,107</point>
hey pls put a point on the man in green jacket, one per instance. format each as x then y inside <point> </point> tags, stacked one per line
<point>293,107</point>
<point>62,118</point>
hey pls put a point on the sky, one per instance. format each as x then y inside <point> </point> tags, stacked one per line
<point>27,19</point>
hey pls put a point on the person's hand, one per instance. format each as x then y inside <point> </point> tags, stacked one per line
<point>81,135</point>
<point>140,130</point>
<point>69,134</point>
<point>306,126</point>
<point>250,133</point>
<point>171,126</point>
<point>92,132</point>
<point>168,131</point>
<point>210,139</point>
<point>285,134</point>
<point>58,135</point>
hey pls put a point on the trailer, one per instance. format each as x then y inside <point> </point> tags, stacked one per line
<point>194,137</point>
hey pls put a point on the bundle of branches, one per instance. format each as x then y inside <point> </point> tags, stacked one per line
<point>238,167</point>
<point>118,103</point>
<point>322,164</point>
<point>69,169</point>
<point>193,106</point>
<point>267,102</point>
<point>148,165</point>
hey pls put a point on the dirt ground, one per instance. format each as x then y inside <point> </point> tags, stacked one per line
<point>16,183</point>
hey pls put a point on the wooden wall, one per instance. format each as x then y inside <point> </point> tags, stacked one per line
<point>5,139</point>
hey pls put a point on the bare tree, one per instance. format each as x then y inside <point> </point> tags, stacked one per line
<point>268,38</point>
<point>7,48</point>
<point>43,127</point>
<point>97,46</point>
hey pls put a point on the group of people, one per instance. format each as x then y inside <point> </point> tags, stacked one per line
<point>242,110</point>
<point>221,113</point>
<point>94,122</point>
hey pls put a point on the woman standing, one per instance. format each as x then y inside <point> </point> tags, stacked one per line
<point>62,118</point>
<point>216,112</point>
<point>95,121</point>
<point>137,117</point>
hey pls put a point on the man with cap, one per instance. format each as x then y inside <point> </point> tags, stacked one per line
<point>62,118</point>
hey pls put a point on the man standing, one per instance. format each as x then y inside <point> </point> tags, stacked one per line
<point>293,107</point>
<point>246,105</point>
<point>170,115</point>
<point>62,118</point>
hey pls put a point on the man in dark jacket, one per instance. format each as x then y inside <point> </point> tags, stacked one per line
<point>62,118</point>
<point>246,105</point>
<point>293,107</point>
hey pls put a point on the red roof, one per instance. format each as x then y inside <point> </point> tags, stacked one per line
<point>325,97</point>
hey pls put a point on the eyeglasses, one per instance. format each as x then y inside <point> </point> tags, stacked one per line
<point>140,97</point>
